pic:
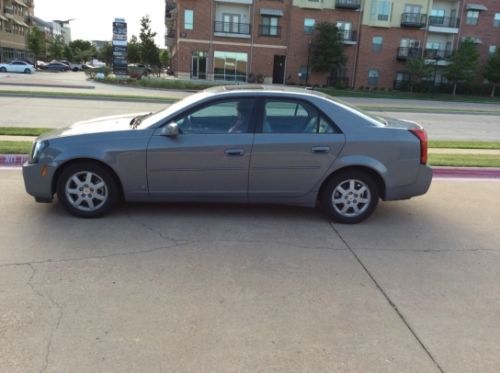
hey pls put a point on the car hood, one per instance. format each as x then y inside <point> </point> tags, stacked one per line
<point>98,125</point>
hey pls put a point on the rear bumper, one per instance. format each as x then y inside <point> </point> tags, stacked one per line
<point>418,187</point>
<point>37,185</point>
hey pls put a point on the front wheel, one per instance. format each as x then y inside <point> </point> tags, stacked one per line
<point>87,190</point>
<point>27,71</point>
<point>3,69</point>
<point>350,197</point>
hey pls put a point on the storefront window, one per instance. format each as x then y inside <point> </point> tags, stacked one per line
<point>230,66</point>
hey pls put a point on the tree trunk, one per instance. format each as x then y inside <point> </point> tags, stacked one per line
<point>454,89</point>
<point>493,90</point>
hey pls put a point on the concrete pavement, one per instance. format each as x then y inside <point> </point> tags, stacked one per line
<point>213,288</point>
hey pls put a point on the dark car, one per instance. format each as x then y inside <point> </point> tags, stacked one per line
<point>56,66</point>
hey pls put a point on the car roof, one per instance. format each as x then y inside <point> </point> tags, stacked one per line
<point>263,89</point>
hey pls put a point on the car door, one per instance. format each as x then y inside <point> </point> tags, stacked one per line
<point>293,150</point>
<point>210,156</point>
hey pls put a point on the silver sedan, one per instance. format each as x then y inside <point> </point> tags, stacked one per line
<point>17,67</point>
<point>234,144</point>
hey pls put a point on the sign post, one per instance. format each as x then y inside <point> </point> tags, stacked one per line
<point>120,53</point>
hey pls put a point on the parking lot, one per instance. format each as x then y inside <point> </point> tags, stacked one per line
<point>234,288</point>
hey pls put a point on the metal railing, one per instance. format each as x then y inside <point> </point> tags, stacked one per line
<point>413,19</point>
<point>408,52</point>
<point>348,35</point>
<point>348,4</point>
<point>440,54</point>
<point>444,21</point>
<point>232,28</point>
<point>268,30</point>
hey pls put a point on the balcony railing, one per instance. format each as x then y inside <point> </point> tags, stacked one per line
<point>348,35</point>
<point>437,54</point>
<point>348,4</point>
<point>8,9</point>
<point>452,22</point>
<point>413,20</point>
<point>268,30</point>
<point>232,28</point>
<point>408,52</point>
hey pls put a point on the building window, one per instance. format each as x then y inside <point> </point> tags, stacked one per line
<point>380,10</point>
<point>269,26</point>
<point>492,50</point>
<point>309,25</point>
<point>372,78</point>
<point>496,20</point>
<point>188,19</point>
<point>345,30</point>
<point>472,17</point>
<point>377,43</point>
<point>230,66</point>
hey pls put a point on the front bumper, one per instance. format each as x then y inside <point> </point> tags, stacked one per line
<point>418,187</point>
<point>37,185</point>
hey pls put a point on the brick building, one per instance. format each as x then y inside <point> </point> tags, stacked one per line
<point>234,39</point>
<point>15,19</point>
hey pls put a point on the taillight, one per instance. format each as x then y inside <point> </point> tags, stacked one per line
<point>422,136</point>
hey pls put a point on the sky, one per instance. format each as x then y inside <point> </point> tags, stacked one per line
<point>94,18</point>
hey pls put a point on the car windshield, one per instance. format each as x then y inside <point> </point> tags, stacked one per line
<point>172,109</point>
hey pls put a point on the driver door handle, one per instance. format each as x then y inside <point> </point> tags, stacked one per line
<point>234,152</point>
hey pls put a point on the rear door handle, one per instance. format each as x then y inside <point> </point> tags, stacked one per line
<point>234,152</point>
<point>320,149</point>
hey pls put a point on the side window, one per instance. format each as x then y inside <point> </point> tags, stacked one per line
<point>293,117</point>
<point>231,116</point>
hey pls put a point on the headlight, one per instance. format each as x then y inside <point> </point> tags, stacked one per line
<point>38,147</point>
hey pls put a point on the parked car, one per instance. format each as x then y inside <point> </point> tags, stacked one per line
<point>17,67</point>
<point>56,66</point>
<point>234,144</point>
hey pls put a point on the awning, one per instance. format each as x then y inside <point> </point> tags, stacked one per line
<point>20,23</point>
<point>471,6</point>
<point>3,18</point>
<point>20,3</point>
<point>271,12</point>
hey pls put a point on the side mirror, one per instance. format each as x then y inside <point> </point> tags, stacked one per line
<point>170,130</point>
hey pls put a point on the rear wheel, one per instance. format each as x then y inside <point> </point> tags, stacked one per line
<point>350,197</point>
<point>3,69</point>
<point>27,71</point>
<point>87,190</point>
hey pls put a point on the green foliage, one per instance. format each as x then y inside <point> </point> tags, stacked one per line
<point>150,53</point>
<point>327,49</point>
<point>492,71</point>
<point>418,70</point>
<point>36,42</point>
<point>164,58</point>
<point>105,54</point>
<point>15,147</point>
<point>23,131</point>
<point>81,51</point>
<point>463,64</point>
<point>134,50</point>
<point>56,47</point>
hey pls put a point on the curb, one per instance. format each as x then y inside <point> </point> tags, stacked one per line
<point>17,160</point>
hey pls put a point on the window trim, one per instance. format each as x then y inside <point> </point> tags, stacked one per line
<point>188,26</point>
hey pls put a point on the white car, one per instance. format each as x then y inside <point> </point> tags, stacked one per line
<point>17,67</point>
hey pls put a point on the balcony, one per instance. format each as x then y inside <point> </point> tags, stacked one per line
<point>408,52</point>
<point>348,36</point>
<point>8,10</point>
<point>437,54</point>
<point>348,4</point>
<point>445,25</point>
<point>271,31</point>
<point>416,20</point>
<point>170,39</point>
<point>232,29</point>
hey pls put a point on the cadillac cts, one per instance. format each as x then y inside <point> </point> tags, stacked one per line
<point>234,144</point>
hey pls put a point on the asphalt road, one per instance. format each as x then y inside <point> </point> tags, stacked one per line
<point>199,288</point>
<point>37,112</point>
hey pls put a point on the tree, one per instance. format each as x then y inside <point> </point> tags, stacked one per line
<point>463,64</point>
<point>492,71</point>
<point>150,53</point>
<point>36,43</point>
<point>105,54</point>
<point>82,50</point>
<point>134,50</point>
<point>164,58</point>
<point>327,50</point>
<point>418,70</point>
<point>56,47</point>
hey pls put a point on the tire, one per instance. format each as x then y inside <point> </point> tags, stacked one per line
<point>27,71</point>
<point>87,190</point>
<point>350,197</point>
<point>3,70</point>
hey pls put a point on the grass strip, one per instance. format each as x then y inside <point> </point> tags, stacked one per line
<point>23,131</point>
<point>464,160</point>
<point>88,96</point>
<point>15,147</point>
<point>464,144</point>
